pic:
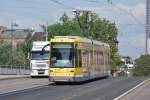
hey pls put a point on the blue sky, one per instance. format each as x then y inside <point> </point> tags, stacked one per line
<point>31,13</point>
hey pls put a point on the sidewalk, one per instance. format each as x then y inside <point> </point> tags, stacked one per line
<point>144,94</point>
<point>139,92</point>
<point>4,77</point>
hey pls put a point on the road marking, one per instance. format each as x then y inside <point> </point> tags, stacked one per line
<point>131,90</point>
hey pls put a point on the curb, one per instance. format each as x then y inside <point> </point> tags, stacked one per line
<point>131,90</point>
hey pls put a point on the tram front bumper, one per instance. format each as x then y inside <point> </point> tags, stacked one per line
<point>61,78</point>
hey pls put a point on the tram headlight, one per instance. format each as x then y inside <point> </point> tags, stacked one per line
<point>50,71</point>
<point>72,71</point>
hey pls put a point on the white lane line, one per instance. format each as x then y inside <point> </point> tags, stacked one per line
<point>129,91</point>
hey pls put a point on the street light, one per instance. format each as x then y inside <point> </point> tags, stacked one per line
<point>12,38</point>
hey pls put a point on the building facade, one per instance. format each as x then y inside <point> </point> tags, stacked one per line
<point>14,36</point>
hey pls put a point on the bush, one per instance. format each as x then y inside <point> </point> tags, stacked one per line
<point>9,56</point>
<point>142,66</point>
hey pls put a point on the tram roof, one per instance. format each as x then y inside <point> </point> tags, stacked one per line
<point>83,39</point>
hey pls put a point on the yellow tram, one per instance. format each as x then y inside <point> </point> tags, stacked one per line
<point>75,59</point>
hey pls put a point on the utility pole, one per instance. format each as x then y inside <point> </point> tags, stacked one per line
<point>46,31</point>
<point>147,50</point>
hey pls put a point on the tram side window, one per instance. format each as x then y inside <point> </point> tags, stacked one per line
<point>107,57</point>
<point>95,58</point>
<point>78,58</point>
<point>98,58</point>
<point>85,58</point>
<point>91,58</point>
<point>97,64</point>
<point>101,58</point>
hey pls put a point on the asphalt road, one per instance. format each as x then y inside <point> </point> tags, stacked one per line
<point>103,89</point>
<point>10,85</point>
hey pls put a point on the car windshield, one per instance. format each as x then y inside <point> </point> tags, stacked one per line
<point>38,55</point>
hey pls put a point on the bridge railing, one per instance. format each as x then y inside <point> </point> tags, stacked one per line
<point>14,70</point>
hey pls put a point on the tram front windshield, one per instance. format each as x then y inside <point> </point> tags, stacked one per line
<point>61,55</point>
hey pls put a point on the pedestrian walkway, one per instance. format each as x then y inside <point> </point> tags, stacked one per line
<point>144,94</point>
<point>3,77</point>
<point>139,92</point>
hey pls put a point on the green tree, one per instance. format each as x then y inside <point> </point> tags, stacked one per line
<point>9,55</point>
<point>24,48</point>
<point>5,53</point>
<point>89,25</point>
<point>66,26</point>
<point>26,45</point>
<point>142,66</point>
<point>18,58</point>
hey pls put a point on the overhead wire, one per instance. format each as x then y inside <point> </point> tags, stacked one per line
<point>94,1</point>
<point>130,13</point>
<point>110,2</point>
<point>125,11</point>
<point>139,23</point>
<point>54,1</point>
<point>62,4</point>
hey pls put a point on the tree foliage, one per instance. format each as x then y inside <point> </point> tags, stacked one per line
<point>9,55</point>
<point>5,51</point>
<point>15,56</point>
<point>142,66</point>
<point>26,45</point>
<point>88,26</point>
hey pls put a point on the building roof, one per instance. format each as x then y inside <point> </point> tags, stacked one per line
<point>16,33</point>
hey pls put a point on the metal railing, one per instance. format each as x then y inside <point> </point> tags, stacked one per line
<point>15,70</point>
